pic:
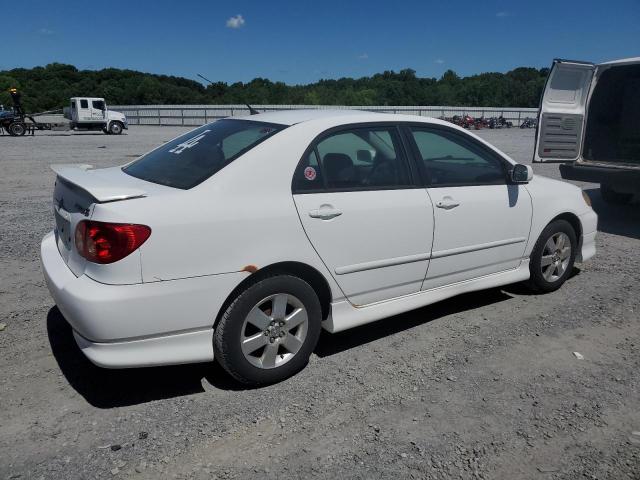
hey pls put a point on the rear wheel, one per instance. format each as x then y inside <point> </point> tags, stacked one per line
<point>553,256</point>
<point>115,128</point>
<point>17,129</point>
<point>609,195</point>
<point>269,331</point>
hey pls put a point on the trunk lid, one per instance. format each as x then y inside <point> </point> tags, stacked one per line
<point>77,190</point>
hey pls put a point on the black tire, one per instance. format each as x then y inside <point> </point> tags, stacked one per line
<point>230,330</point>
<point>537,281</point>
<point>609,195</point>
<point>115,128</point>
<point>105,131</point>
<point>16,129</point>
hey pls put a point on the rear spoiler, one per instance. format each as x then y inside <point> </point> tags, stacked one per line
<point>91,181</point>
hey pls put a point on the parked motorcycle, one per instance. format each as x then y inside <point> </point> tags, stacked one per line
<point>529,123</point>
<point>499,122</point>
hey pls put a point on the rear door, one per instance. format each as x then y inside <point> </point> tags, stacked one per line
<point>84,112</point>
<point>364,213</point>
<point>562,110</point>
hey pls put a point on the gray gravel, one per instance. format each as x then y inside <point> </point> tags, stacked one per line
<point>485,385</point>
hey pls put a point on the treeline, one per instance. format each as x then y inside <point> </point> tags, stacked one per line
<point>50,87</point>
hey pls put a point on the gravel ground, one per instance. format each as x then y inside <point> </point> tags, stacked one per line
<point>480,386</point>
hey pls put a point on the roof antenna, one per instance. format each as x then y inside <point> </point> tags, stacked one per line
<point>205,78</point>
<point>252,111</point>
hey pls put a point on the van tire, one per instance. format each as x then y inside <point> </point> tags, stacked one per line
<point>609,195</point>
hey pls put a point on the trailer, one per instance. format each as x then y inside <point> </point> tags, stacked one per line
<point>16,122</point>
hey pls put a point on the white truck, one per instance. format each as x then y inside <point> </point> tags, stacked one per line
<point>91,113</point>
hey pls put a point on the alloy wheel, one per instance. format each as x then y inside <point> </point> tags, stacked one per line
<point>274,331</point>
<point>556,256</point>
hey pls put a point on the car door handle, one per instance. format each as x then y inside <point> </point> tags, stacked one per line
<point>325,212</point>
<point>447,203</point>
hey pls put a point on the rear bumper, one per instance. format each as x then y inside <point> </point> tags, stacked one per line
<point>157,323</point>
<point>588,173</point>
<point>190,347</point>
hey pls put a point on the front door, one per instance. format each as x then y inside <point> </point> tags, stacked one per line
<point>562,110</point>
<point>98,110</point>
<point>364,214</point>
<point>482,222</point>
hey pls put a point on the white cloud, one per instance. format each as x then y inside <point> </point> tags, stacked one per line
<point>439,61</point>
<point>503,14</point>
<point>363,56</point>
<point>235,22</point>
<point>46,31</point>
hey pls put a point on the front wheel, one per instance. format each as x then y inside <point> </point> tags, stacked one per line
<point>553,256</point>
<point>269,331</point>
<point>115,128</point>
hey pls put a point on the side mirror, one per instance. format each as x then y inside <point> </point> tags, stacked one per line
<point>521,173</point>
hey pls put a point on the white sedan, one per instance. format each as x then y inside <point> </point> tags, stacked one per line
<point>241,239</point>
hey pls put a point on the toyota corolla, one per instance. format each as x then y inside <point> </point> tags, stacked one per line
<point>240,240</point>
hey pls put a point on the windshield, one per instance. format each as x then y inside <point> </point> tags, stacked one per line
<point>192,158</point>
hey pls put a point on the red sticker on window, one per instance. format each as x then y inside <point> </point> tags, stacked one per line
<point>310,173</point>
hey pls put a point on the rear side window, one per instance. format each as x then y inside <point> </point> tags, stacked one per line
<point>356,159</point>
<point>449,160</point>
<point>192,158</point>
<point>308,176</point>
<point>84,104</point>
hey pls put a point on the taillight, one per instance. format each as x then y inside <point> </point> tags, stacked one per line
<point>102,242</point>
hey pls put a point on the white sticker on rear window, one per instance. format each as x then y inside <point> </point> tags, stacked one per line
<point>192,142</point>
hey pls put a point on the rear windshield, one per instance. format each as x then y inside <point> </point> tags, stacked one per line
<point>192,158</point>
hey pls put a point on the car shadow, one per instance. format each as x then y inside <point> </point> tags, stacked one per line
<point>332,343</point>
<point>106,388</point>
<point>522,289</point>
<point>621,220</point>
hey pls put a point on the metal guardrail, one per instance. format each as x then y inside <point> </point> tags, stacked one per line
<point>195,115</point>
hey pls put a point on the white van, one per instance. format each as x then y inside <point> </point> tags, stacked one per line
<point>588,117</point>
<point>91,113</point>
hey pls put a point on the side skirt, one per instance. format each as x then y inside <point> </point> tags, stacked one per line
<point>344,315</point>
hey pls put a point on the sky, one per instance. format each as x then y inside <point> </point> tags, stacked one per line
<point>302,41</point>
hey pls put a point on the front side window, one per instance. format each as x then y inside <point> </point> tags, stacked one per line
<point>98,104</point>
<point>361,158</point>
<point>192,158</point>
<point>450,160</point>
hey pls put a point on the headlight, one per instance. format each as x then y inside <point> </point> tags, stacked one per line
<point>586,197</point>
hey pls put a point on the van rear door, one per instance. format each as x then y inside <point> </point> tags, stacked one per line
<point>562,110</point>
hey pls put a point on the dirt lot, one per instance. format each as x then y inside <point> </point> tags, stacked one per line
<point>480,386</point>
